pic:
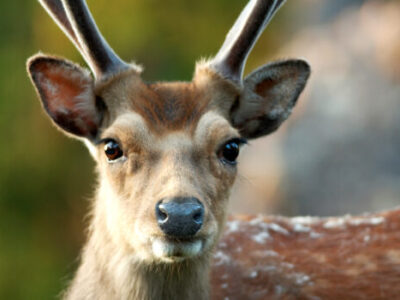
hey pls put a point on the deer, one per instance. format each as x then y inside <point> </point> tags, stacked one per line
<point>166,155</point>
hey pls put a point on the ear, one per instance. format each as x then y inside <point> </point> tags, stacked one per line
<point>67,94</point>
<point>269,96</point>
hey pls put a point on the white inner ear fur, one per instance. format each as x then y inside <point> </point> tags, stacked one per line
<point>85,102</point>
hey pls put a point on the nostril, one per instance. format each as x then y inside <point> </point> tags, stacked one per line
<point>198,216</point>
<point>161,213</point>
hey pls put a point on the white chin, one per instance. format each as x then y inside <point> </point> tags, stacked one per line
<point>176,251</point>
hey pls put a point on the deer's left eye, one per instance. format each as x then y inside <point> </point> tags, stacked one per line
<point>112,150</point>
<point>229,151</point>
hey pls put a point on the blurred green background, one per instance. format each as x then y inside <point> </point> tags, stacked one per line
<point>46,179</point>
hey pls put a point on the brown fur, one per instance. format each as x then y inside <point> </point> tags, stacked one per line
<point>352,257</point>
<point>170,106</point>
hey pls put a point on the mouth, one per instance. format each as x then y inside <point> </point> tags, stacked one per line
<point>176,250</point>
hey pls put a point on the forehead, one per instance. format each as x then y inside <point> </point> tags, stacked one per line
<point>167,107</point>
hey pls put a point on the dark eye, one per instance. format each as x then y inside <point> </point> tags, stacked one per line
<point>112,150</point>
<point>230,151</point>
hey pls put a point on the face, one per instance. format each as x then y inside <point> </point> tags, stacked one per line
<point>165,185</point>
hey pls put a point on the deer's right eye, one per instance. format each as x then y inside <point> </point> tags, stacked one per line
<point>112,150</point>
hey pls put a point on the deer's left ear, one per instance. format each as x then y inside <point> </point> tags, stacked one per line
<point>269,96</point>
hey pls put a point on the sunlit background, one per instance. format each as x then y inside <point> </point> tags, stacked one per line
<point>338,154</point>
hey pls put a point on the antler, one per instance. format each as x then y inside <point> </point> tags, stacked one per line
<point>231,58</point>
<point>74,18</point>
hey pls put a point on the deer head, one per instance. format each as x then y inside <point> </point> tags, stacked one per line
<point>166,152</point>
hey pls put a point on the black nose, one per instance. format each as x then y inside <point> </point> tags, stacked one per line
<point>180,217</point>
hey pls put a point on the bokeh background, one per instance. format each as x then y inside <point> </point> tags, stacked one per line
<point>339,153</point>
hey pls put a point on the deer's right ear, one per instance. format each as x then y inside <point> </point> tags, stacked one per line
<point>67,94</point>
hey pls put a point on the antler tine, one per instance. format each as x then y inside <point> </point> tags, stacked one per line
<point>56,10</point>
<point>75,20</point>
<point>101,58</point>
<point>231,58</point>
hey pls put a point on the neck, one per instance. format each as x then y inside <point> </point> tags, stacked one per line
<point>111,271</point>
